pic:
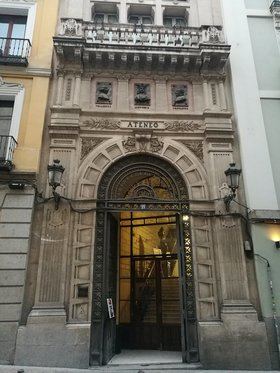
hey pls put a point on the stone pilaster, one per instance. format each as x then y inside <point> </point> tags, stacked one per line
<point>161,97</point>
<point>123,93</point>
<point>77,89</point>
<point>59,88</point>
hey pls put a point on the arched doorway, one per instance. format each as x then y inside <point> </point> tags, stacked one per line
<point>143,282</point>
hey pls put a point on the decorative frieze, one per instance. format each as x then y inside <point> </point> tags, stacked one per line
<point>182,126</point>
<point>171,126</point>
<point>102,123</point>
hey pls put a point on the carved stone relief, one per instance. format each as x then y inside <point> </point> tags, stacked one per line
<point>179,95</point>
<point>89,143</point>
<point>70,27</point>
<point>101,123</point>
<point>195,146</point>
<point>142,143</point>
<point>182,125</point>
<point>104,93</point>
<point>142,94</point>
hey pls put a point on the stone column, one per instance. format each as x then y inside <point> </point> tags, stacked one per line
<point>161,96</point>
<point>222,95</point>
<point>123,94</point>
<point>158,10</point>
<point>122,12</point>
<point>206,95</point>
<point>59,88</point>
<point>77,89</point>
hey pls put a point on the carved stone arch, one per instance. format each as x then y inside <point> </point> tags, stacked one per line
<point>185,161</point>
<point>88,231</point>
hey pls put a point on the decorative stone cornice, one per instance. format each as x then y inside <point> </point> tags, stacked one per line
<point>121,45</point>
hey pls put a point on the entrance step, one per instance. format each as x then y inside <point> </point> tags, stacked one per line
<point>145,368</point>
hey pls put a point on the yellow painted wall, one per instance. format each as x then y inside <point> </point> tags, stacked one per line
<point>26,156</point>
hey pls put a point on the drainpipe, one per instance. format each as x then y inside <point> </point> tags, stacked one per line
<point>274,311</point>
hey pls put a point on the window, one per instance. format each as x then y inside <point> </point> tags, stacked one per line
<point>174,22</point>
<point>12,34</point>
<point>105,18</point>
<point>11,103</point>
<point>6,112</point>
<point>140,20</point>
<point>17,20</point>
<point>7,142</point>
<point>12,26</point>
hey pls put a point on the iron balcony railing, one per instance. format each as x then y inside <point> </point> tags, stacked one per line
<point>7,147</point>
<point>14,51</point>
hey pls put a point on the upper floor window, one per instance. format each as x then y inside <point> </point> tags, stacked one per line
<point>17,20</point>
<point>12,26</point>
<point>105,13</point>
<point>105,18</point>
<point>140,20</point>
<point>174,22</point>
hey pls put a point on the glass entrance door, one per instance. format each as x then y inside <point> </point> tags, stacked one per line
<point>149,306</point>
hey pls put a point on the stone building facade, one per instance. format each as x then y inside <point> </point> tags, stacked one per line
<point>141,119</point>
<point>25,68</point>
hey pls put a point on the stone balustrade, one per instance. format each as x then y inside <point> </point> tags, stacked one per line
<point>140,35</point>
<point>153,47</point>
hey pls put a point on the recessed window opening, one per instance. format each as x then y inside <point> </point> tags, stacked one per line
<point>105,13</point>
<point>141,15</point>
<point>175,17</point>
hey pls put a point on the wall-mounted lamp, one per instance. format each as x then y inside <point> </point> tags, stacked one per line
<point>232,174</point>
<point>277,244</point>
<point>55,175</point>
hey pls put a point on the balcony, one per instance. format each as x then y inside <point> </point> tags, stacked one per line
<point>7,147</point>
<point>141,47</point>
<point>14,51</point>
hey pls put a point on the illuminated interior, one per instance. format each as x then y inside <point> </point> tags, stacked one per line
<point>148,268</point>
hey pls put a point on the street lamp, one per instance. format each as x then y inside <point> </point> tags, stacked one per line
<point>55,175</point>
<point>233,175</point>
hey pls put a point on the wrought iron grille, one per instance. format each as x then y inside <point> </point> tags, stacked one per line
<point>14,51</point>
<point>7,147</point>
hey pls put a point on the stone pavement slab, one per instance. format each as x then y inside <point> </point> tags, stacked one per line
<point>120,368</point>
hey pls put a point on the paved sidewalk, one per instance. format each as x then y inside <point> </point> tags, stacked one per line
<point>117,369</point>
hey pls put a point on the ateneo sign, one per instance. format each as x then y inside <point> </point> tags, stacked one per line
<point>152,125</point>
